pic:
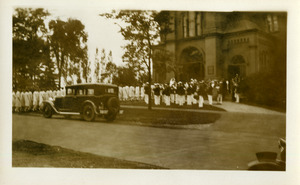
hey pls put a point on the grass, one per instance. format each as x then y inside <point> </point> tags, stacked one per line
<point>194,106</point>
<point>167,117</point>
<point>31,154</point>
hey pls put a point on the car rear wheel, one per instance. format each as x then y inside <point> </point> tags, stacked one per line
<point>47,111</point>
<point>88,113</point>
<point>111,116</point>
<point>113,106</point>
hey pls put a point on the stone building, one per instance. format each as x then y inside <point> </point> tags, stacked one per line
<point>215,45</point>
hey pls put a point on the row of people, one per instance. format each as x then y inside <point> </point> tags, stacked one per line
<point>180,93</point>
<point>190,93</point>
<point>25,100</point>
<point>131,93</point>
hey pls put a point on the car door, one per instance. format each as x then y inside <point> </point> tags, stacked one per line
<point>80,97</point>
<point>69,100</point>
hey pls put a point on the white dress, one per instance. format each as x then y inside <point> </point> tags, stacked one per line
<point>137,93</point>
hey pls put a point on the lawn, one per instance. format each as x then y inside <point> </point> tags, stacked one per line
<point>167,117</point>
<point>31,154</point>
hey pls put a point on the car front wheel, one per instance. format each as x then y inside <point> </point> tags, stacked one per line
<point>47,111</point>
<point>88,113</point>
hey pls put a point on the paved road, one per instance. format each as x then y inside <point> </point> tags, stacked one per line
<point>230,143</point>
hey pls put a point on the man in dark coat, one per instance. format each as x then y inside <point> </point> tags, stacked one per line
<point>166,93</point>
<point>156,94</point>
<point>181,94</point>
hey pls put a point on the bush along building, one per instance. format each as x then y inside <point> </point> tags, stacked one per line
<point>216,45</point>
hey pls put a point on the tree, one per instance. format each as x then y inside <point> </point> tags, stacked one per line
<point>164,62</point>
<point>31,59</point>
<point>103,61</point>
<point>125,76</point>
<point>97,66</point>
<point>110,69</point>
<point>163,19</point>
<point>86,68</point>
<point>68,45</point>
<point>142,32</point>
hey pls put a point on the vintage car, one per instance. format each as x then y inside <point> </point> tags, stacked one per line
<point>87,100</point>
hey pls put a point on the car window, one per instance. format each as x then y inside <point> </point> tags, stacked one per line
<point>110,90</point>
<point>80,92</point>
<point>70,91</point>
<point>90,91</point>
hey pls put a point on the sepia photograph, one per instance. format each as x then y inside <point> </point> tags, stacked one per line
<point>133,89</point>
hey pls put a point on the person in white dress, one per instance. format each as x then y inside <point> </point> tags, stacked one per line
<point>18,101</point>
<point>30,100</point>
<point>41,99</point>
<point>137,93</point>
<point>26,100</point>
<point>125,93</point>
<point>35,100</point>
<point>142,92</point>
<point>120,93</point>
<point>13,101</point>
<point>23,108</point>
<point>131,93</point>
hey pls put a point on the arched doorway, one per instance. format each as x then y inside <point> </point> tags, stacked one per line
<point>237,65</point>
<point>192,64</point>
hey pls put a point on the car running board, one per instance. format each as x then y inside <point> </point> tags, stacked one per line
<point>68,113</point>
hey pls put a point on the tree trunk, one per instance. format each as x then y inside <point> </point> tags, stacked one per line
<point>149,90</point>
<point>150,78</point>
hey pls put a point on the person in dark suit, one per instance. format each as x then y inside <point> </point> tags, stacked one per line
<point>181,94</point>
<point>201,93</point>
<point>156,94</point>
<point>167,93</point>
<point>209,93</point>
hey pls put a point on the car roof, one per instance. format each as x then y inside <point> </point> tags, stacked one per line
<point>92,85</point>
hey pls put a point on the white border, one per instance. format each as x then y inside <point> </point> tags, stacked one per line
<point>9,175</point>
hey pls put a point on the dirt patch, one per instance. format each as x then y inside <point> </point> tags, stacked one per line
<point>31,154</point>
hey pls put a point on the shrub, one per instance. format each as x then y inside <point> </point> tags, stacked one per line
<point>266,89</point>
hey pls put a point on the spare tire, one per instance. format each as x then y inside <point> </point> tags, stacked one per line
<point>113,105</point>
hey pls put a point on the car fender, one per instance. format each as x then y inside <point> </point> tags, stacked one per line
<point>90,102</point>
<point>49,102</point>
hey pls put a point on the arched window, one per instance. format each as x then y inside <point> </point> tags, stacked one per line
<point>192,62</point>
<point>236,66</point>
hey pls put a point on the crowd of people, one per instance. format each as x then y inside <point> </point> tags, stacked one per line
<point>188,93</point>
<point>26,100</point>
<point>174,93</point>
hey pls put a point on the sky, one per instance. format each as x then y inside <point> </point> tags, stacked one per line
<point>102,32</point>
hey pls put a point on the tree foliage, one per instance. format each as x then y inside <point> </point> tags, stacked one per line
<point>36,48</point>
<point>142,32</point>
<point>68,45</point>
<point>31,55</point>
